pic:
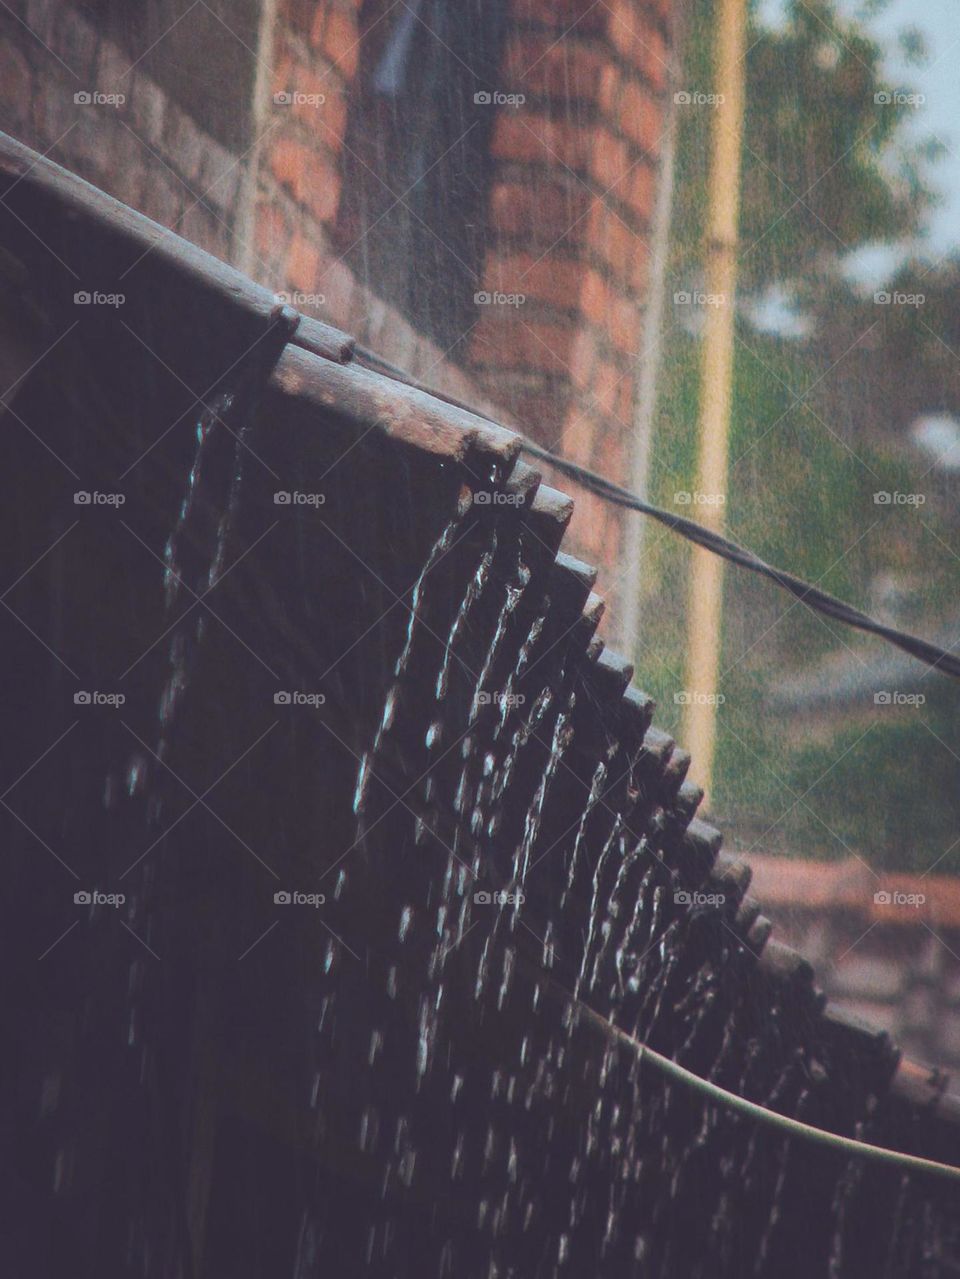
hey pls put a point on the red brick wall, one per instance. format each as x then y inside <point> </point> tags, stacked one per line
<point>316,55</point>
<point>143,150</point>
<point>571,210</point>
<point>570,204</point>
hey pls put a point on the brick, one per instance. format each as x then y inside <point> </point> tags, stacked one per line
<point>597,220</point>
<point>271,228</point>
<point>284,76</point>
<point>333,115</point>
<point>551,279</point>
<point>613,240</point>
<point>303,80</point>
<point>291,163</point>
<point>310,174</point>
<point>629,29</point>
<point>638,191</point>
<point>513,343</point>
<point>201,227</point>
<point>53,111</point>
<point>587,15</point>
<point>589,520</point>
<point>640,269</point>
<point>594,297</point>
<point>126,163</point>
<point>146,110</point>
<point>622,244</point>
<point>75,41</point>
<point>537,139</point>
<point>339,286</point>
<point>579,436</point>
<point>611,540</point>
<point>221,191</point>
<point>641,117</point>
<point>623,325</point>
<point>582,358</point>
<point>112,67</point>
<point>220,176</point>
<point>95,151</point>
<point>184,144</point>
<point>541,211</point>
<point>604,390</point>
<point>324,195</point>
<point>452,379</point>
<point>610,161</point>
<point>609,88</point>
<point>656,63</point>
<point>614,438</point>
<point>298,15</point>
<point>532,407</point>
<point>542,66</point>
<point>163,197</point>
<point>303,263</point>
<point>383,332</point>
<point>39,17</point>
<point>625,399</point>
<point>336,34</point>
<point>16,83</point>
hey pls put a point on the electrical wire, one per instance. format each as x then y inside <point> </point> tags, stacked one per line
<point>772,1118</point>
<point>829,605</point>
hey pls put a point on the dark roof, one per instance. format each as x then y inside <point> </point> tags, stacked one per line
<point>422,1047</point>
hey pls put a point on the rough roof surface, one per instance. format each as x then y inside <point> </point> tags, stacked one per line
<point>415,1076</point>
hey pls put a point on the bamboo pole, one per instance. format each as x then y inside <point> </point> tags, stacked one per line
<point>705,606</point>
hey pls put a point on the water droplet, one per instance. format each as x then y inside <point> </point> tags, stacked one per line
<point>406,918</point>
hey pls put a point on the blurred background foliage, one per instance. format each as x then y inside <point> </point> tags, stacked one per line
<point>830,382</point>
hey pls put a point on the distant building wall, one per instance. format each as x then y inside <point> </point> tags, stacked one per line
<point>885,948</point>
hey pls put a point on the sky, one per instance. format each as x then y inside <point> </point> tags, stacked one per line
<point>938,116</point>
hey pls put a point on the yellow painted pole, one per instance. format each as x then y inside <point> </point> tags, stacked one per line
<point>705,606</point>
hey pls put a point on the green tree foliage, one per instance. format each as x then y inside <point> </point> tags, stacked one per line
<point>817,430</point>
